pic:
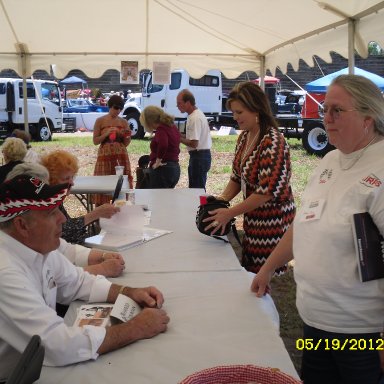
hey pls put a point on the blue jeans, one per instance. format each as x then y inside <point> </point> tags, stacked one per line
<point>166,176</point>
<point>332,364</point>
<point>199,165</point>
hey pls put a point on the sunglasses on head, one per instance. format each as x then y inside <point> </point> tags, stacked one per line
<point>117,107</point>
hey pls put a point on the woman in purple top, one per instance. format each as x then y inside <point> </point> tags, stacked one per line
<point>164,168</point>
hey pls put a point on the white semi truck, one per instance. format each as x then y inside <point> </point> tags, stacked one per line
<point>44,108</point>
<point>207,90</point>
<point>304,123</point>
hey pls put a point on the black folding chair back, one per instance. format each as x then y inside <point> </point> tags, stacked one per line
<point>28,368</point>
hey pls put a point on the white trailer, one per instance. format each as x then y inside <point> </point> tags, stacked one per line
<point>44,107</point>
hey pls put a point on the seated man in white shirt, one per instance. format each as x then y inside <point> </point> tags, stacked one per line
<point>95,261</point>
<point>34,275</point>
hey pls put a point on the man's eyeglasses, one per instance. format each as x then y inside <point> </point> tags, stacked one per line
<point>118,107</point>
<point>336,112</point>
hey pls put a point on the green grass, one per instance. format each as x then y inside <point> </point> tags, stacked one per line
<point>224,143</point>
<point>136,146</point>
<point>223,148</point>
<point>65,141</point>
<point>223,169</point>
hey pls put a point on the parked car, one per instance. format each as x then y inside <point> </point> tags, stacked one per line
<point>82,106</point>
<point>292,104</point>
<point>281,95</point>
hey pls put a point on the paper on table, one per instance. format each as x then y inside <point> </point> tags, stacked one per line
<point>125,229</point>
<point>112,242</point>
<point>130,220</point>
<point>117,243</point>
<point>125,308</point>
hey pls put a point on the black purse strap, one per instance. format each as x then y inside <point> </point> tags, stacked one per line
<point>235,233</point>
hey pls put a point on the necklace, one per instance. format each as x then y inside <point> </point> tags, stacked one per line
<point>248,146</point>
<point>358,157</point>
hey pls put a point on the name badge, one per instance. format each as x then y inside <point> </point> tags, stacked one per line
<point>312,210</point>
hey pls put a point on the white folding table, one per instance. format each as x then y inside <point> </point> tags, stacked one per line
<point>215,318</point>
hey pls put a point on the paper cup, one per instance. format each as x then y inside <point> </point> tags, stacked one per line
<point>119,169</point>
<point>130,197</point>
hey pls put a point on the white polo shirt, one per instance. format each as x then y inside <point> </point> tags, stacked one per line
<point>197,128</point>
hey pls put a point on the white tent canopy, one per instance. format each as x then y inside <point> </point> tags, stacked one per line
<point>233,36</point>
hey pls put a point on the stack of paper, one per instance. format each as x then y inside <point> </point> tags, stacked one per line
<point>124,230</point>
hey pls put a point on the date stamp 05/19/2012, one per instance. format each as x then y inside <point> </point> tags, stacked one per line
<point>351,344</point>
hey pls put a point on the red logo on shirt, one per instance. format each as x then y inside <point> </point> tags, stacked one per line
<point>325,176</point>
<point>371,181</point>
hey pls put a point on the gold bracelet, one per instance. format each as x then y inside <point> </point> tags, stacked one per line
<point>122,290</point>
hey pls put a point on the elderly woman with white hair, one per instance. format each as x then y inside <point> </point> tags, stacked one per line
<point>14,151</point>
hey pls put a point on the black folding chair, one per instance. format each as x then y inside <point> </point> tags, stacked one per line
<point>28,368</point>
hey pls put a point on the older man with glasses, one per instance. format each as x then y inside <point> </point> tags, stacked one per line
<point>34,275</point>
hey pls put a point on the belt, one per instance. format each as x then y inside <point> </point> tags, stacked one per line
<point>172,163</point>
<point>200,150</point>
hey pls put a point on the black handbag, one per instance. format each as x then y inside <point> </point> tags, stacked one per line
<point>203,212</point>
<point>143,173</point>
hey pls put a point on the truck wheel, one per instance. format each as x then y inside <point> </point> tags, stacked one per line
<point>315,139</point>
<point>134,124</point>
<point>43,132</point>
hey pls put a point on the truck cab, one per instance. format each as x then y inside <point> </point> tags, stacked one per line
<point>43,103</point>
<point>207,91</point>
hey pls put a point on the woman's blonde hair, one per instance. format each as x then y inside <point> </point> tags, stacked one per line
<point>57,162</point>
<point>14,149</point>
<point>154,115</point>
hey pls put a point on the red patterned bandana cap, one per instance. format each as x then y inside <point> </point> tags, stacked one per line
<point>25,193</point>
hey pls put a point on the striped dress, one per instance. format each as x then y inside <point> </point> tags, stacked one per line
<point>265,170</point>
<point>111,152</point>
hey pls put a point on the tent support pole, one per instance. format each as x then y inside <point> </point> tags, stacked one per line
<point>262,72</point>
<point>23,58</point>
<point>351,46</point>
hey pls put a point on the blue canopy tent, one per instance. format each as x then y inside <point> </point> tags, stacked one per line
<point>320,85</point>
<point>73,80</point>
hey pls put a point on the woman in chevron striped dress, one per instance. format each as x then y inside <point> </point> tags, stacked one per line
<point>261,171</point>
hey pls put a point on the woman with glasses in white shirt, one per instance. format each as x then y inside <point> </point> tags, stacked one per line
<point>343,317</point>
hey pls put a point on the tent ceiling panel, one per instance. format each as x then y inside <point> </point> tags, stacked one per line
<point>95,35</point>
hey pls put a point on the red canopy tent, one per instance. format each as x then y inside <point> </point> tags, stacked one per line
<point>268,80</point>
